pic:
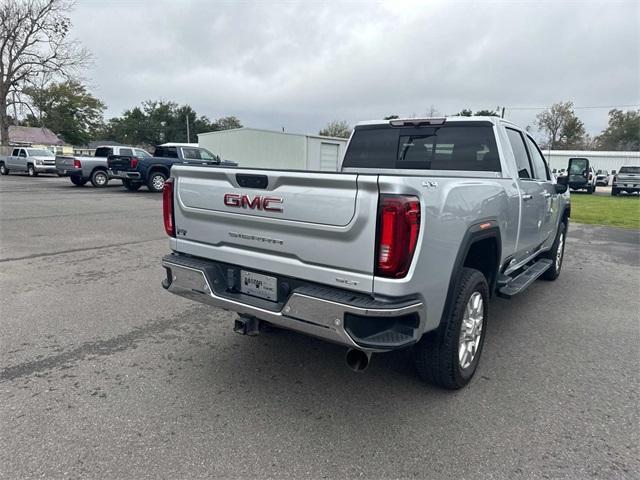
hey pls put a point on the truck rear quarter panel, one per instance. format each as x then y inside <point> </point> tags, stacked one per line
<point>450,207</point>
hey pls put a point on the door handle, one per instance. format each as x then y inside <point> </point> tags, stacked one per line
<point>527,197</point>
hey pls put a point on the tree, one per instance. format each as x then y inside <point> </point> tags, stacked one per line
<point>561,126</point>
<point>622,132</point>
<point>337,128</point>
<point>160,121</point>
<point>486,113</point>
<point>68,109</point>
<point>465,112</point>
<point>34,48</point>
<point>572,134</point>
<point>227,123</point>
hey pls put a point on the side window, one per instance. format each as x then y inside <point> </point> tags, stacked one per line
<point>206,154</point>
<point>191,153</point>
<point>16,152</point>
<point>540,169</point>
<point>23,152</point>
<point>126,152</point>
<point>520,153</point>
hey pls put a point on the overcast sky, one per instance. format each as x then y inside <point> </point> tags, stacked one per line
<point>299,65</point>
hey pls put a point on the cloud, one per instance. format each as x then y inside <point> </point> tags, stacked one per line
<point>299,65</point>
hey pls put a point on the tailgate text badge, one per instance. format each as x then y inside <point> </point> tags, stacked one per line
<point>268,204</point>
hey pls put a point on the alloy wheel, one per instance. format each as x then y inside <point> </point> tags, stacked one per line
<point>157,182</point>
<point>560,251</point>
<point>471,330</point>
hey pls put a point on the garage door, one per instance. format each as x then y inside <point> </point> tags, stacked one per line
<point>329,156</point>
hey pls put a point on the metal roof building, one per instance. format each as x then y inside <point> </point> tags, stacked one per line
<point>559,159</point>
<point>252,147</point>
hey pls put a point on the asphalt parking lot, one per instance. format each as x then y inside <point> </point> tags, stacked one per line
<point>104,374</point>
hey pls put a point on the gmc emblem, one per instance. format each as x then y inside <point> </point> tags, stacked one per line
<point>268,204</point>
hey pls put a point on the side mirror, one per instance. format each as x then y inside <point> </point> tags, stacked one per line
<point>561,184</point>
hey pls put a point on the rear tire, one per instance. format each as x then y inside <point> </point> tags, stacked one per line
<point>442,357</point>
<point>31,170</point>
<point>156,181</point>
<point>3,169</point>
<point>78,181</point>
<point>556,254</point>
<point>99,178</point>
<point>131,185</point>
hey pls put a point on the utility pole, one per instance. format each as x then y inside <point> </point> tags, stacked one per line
<point>188,136</point>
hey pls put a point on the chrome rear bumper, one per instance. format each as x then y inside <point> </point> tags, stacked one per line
<point>319,317</point>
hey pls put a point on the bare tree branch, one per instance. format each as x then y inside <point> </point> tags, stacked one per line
<point>34,45</point>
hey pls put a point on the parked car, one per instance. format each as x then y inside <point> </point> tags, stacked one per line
<point>626,180</point>
<point>602,178</point>
<point>136,171</point>
<point>30,160</point>
<point>426,220</point>
<point>582,176</point>
<point>84,169</point>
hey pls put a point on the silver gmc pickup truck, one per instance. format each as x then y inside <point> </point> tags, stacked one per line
<point>426,220</point>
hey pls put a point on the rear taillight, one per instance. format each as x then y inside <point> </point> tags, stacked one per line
<point>398,229</point>
<point>167,208</point>
<point>76,164</point>
<point>133,162</point>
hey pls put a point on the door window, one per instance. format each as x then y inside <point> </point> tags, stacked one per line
<point>141,153</point>
<point>22,153</point>
<point>520,153</point>
<point>191,154</point>
<point>15,152</point>
<point>539,165</point>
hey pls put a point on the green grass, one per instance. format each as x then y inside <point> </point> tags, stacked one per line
<point>622,211</point>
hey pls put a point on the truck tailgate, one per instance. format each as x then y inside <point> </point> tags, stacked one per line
<point>308,225</point>
<point>119,162</point>
<point>64,162</point>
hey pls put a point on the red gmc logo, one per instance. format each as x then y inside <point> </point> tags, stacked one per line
<point>268,204</point>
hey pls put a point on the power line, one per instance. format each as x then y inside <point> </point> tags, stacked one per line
<point>576,108</point>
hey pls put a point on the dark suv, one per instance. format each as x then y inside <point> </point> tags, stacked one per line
<point>153,171</point>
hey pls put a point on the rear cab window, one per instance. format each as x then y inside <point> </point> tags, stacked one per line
<point>463,146</point>
<point>103,151</point>
<point>126,152</point>
<point>635,170</point>
<point>169,152</point>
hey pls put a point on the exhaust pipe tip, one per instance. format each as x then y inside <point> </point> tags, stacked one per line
<point>357,360</point>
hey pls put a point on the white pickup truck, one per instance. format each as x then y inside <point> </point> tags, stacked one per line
<point>404,247</point>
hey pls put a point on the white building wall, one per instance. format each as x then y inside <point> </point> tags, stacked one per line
<point>314,150</point>
<point>559,159</point>
<point>256,148</point>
